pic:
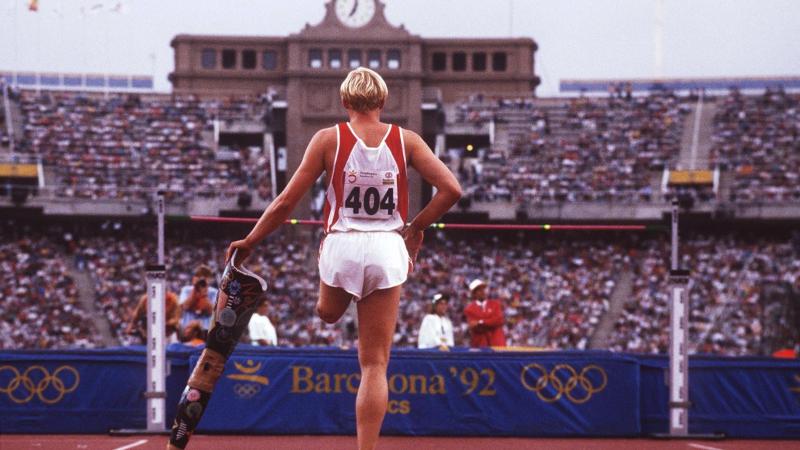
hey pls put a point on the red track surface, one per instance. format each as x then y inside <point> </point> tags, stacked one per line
<point>203,442</point>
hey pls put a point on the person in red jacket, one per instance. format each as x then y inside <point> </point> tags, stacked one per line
<point>485,318</point>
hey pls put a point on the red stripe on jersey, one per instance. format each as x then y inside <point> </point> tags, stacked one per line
<point>346,143</point>
<point>395,143</point>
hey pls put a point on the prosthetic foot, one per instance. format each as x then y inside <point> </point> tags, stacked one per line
<point>240,291</point>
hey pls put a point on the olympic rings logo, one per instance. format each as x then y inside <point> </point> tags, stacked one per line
<point>36,381</point>
<point>246,390</point>
<point>564,381</point>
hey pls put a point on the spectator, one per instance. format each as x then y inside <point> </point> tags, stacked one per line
<point>485,318</point>
<point>437,329</point>
<point>137,326</point>
<point>194,334</point>
<point>197,299</point>
<point>262,332</point>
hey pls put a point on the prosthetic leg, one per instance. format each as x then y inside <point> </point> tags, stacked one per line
<point>240,290</point>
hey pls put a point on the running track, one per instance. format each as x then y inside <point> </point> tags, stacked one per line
<point>206,442</point>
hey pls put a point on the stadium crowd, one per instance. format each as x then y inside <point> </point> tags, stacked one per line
<point>726,308</point>
<point>114,146</point>
<point>556,150</point>
<point>117,262</point>
<point>554,292</point>
<point>582,149</point>
<point>40,302</point>
<point>758,138</point>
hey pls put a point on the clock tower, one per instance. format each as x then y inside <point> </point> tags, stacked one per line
<point>354,13</point>
<point>353,33</point>
<point>303,71</point>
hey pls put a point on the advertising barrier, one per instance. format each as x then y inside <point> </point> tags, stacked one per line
<point>456,393</point>
<point>468,394</point>
<point>743,397</point>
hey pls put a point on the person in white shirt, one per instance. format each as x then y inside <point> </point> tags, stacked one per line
<point>262,332</point>
<point>436,329</point>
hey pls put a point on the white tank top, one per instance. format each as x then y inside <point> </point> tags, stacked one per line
<point>368,188</point>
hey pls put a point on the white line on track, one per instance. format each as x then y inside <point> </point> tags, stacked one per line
<point>703,447</point>
<point>142,442</point>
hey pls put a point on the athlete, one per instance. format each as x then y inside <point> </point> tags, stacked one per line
<point>369,247</point>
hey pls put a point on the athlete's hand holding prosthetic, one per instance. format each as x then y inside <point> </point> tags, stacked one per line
<point>243,249</point>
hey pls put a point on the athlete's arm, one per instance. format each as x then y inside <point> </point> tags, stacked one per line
<point>448,191</point>
<point>278,211</point>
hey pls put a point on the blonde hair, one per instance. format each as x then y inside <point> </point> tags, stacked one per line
<point>363,90</point>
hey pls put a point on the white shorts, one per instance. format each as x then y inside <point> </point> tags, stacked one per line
<point>361,262</point>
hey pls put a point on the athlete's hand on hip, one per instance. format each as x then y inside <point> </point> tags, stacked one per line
<point>413,239</point>
<point>242,248</point>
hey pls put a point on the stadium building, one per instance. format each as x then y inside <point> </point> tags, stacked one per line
<point>301,73</point>
<point>82,155</point>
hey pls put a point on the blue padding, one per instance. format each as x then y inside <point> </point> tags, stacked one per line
<point>468,394</point>
<point>26,79</point>
<point>457,393</point>
<point>95,81</point>
<point>117,82</point>
<point>741,397</point>
<point>142,83</point>
<point>72,81</point>
<point>49,80</point>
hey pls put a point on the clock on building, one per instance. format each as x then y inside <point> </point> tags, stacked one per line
<point>355,13</point>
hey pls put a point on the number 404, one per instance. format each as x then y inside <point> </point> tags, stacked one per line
<point>371,201</point>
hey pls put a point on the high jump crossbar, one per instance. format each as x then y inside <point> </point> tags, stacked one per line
<point>465,226</point>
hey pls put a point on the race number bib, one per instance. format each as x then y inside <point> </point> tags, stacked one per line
<point>369,195</point>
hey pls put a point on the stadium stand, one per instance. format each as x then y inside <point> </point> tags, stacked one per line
<point>555,291</point>
<point>40,305</point>
<point>117,259</point>
<point>583,149</point>
<point>540,284</point>
<point>547,150</point>
<point>758,138</point>
<point>116,146</point>
<point>730,276</point>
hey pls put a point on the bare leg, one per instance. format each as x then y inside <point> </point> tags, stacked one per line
<point>377,318</point>
<point>333,302</point>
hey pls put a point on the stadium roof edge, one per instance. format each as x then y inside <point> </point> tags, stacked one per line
<point>679,84</point>
<point>489,40</point>
<point>183,37</point>
<point>78,81</point>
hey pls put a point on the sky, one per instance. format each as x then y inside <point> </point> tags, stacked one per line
<point>577,38</point>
